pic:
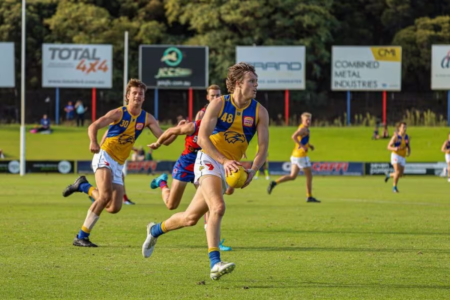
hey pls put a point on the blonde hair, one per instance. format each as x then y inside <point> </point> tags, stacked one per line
<point>306,115</point>
<point>237,73</point>
<point>134,83</point>
<point>213,87</point>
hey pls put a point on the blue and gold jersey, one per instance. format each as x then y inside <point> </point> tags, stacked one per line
<point>304,140</point>
<point>123,133</point>
<point>401,143</point>
<point>235,128</point>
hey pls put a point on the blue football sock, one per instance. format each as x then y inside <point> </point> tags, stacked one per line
<point>82,234</point>
<point>84,187</point>
<point>156,230</point>
<point>214,257</point>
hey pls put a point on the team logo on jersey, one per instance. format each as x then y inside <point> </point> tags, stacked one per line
<point>139,126</point>
<point>248,121</point>
<point>233,137</point>
<point>126,139</point>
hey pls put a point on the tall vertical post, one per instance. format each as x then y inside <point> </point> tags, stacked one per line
<point>286,107</point>
<point>191,104</point>
<point>125,67</point>
<point>94,103</point>
<point>57,106</point>
<point>156,103</point>
<point>384,107</point>
<point>349,97</point>
<point>22,95</point>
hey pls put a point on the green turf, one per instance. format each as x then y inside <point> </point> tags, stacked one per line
<point>361,242</point>
<point>332,144</point>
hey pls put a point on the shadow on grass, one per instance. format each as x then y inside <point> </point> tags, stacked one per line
<point>343,285</point>
<point>352,232</point>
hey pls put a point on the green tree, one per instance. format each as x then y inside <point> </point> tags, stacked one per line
<point>416,42</point>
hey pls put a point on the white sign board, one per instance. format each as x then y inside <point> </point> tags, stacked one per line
<point>366,68</point>
<point>76,66</point>
<point>277,67</point>
<point>7,65</point>
<point>440,67</point>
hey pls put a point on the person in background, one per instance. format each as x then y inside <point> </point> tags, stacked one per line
<point>80,109</point>
<point>446,149</point>
<point>212,92</point>
<point>2,156</point>
<point>376,132</point>
<point>45,124</point>
<point>139,154</point>
<point>400,147</point>
<point>70,111</point>
<point>385,132</point>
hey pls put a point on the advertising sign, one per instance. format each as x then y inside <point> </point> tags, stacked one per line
<point>430,168</point>
<point>63,167</point>
<point>173,66</point>
<point>7,65</point>
<point>12,166</point>
<point>366,68</point>
<point>277,67</point>
<point>77,66</point>
<point>440,67</point>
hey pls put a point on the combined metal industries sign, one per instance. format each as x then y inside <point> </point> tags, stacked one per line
<point>440,67</point>
<point>366,68</point>
<point>277,67</point>
<point>165,66</point>
<point>76,66</point>
<point>7,65</point>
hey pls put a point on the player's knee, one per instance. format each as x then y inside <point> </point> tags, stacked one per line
<point>218,209</point>
<point>104,199</point>
<point>114,209</point>
<point>191,220</point>
<point>171,206</point>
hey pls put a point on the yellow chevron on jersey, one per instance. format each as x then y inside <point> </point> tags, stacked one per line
<point>123,133</point>
<point>235,128</point>
<point>304,140</point>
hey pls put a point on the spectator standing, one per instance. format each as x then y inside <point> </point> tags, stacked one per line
<point>80,109</point>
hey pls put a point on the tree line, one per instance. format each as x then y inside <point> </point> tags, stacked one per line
<point>221,25</point>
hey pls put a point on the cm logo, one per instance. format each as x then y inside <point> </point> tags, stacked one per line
<point>290,66</point>
<point>387,52</point>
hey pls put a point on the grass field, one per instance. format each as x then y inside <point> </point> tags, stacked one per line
<point>332,144</point>
<point>361,242</point>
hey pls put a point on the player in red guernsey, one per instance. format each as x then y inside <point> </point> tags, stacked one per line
<point>183,171</point>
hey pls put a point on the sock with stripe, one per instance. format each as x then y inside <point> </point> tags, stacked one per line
<point>158,229</point>
<point>214,256</point>
<point>89,223</point>
<point>163,184</point>
<point>84,187</point>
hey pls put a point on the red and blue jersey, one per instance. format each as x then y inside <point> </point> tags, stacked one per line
<point>184,167</point>
<point>190,142</point>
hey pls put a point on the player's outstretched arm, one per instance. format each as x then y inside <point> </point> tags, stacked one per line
<point>199,115</point>
<point>153,125</point>
<point>110,117</point>
<point>263,144</point>
<point>186,129</point>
